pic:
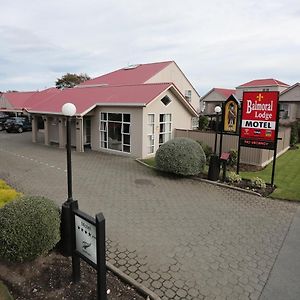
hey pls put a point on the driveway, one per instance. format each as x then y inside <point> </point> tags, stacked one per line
<point>182,238</point>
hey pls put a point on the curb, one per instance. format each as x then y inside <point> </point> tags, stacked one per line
<point>228,186</point>
<point>210,182</point>
<point>144,291</point>
<point>144,164</point>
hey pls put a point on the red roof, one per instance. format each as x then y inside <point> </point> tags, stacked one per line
<point>86,98</point>
<point>263,82</point>
<point>17,99</point>
<point>225,92</point>
<point>131,75</point>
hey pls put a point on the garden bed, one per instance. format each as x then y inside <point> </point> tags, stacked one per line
<point>49,277</point>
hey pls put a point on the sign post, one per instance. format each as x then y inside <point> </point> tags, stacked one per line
<point>88,243</point>
<point>259,122</point>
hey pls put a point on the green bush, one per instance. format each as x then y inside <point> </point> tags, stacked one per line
<point>258,183</point>
<point>29,227</point>
<point>233,157</point>
<point>294,139</point>
<point>181,156</point>
<point>207,150</point>
<point>203,122</point>
<point>294,135</point>
<point>233,177</point>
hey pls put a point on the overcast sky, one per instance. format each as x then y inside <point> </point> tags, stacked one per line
<point>215,43</point>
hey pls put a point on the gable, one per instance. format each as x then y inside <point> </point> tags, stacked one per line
<point>172,73</point>
<point>213,96</point>
<point>175,102</point>
<point>291,95</point>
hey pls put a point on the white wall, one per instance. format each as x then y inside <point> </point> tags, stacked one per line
<point>173,74</point>
<point>181,118</point>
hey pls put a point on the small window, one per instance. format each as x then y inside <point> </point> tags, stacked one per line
<point>166,100</point>
<point>188,95</point>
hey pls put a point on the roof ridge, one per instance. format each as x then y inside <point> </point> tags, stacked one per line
<point>120,85</point>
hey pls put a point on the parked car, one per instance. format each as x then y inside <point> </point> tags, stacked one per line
<point>17,124</point>
<point>3,118</point>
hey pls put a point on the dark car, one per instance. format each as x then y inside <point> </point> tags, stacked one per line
<point>3,118</point>
<point>17,124</point>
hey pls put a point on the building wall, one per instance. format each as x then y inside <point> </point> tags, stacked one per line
<point>181,119</point>
<point>252,156</point>
<point>211,101</point>
<point>292,97</point>
<point>173,74</point>
<point>136,128</point>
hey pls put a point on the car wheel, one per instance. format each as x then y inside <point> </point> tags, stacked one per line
<point>1,127</point>
<point>20,129</point>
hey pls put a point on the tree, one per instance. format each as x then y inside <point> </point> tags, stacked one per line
<point>70,80</point>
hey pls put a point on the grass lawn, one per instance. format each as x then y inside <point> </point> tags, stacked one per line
<point>287,175</point>
<point>149,161</point>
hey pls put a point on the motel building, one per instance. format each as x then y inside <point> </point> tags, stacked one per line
<point>130,111</point>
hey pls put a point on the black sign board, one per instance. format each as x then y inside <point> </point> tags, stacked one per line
<point>88,243</point>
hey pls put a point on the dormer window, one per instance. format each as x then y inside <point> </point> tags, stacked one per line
<point>188,95</point>
<point>166,100</point>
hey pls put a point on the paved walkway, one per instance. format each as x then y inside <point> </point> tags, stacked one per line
<point>182,238</point>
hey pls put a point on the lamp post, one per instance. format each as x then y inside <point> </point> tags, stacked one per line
<point>68,110</point>
<point>218,109</point>
<point>214,163</point>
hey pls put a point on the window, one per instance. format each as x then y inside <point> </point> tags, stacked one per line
<point>188,95</point>
<point>265,90</point>
<point>166,100</point>
<point>165,128</point>
<point>195,123</point>
<point>115,131</point>
<point>284,111</point>
<point>151,131</point>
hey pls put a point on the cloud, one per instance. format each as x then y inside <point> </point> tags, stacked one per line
<point>216,43</point>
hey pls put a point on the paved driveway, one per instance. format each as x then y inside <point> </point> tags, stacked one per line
<point>182,238</point>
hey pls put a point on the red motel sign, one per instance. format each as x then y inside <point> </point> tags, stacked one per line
<point>259,119</point>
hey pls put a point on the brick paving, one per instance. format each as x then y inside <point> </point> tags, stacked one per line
<point>182,238</point>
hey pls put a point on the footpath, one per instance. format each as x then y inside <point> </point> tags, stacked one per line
<point>283,282</point>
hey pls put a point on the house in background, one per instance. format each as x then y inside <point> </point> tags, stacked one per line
<point>216,96</point>
<point>130,111</point>
<point>289,97</point>
<point>263,85</point>
<point>289,100</point>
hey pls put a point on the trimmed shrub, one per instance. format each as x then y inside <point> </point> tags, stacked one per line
<point>294,139</point>
<point>259,183</point>
<point>207,150</point>
<point>182,156</point>
<point>233,157</point>
<point>29,227</point>
<point>233,177</point>
<point>203,122</point>
<point>295,133</point>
